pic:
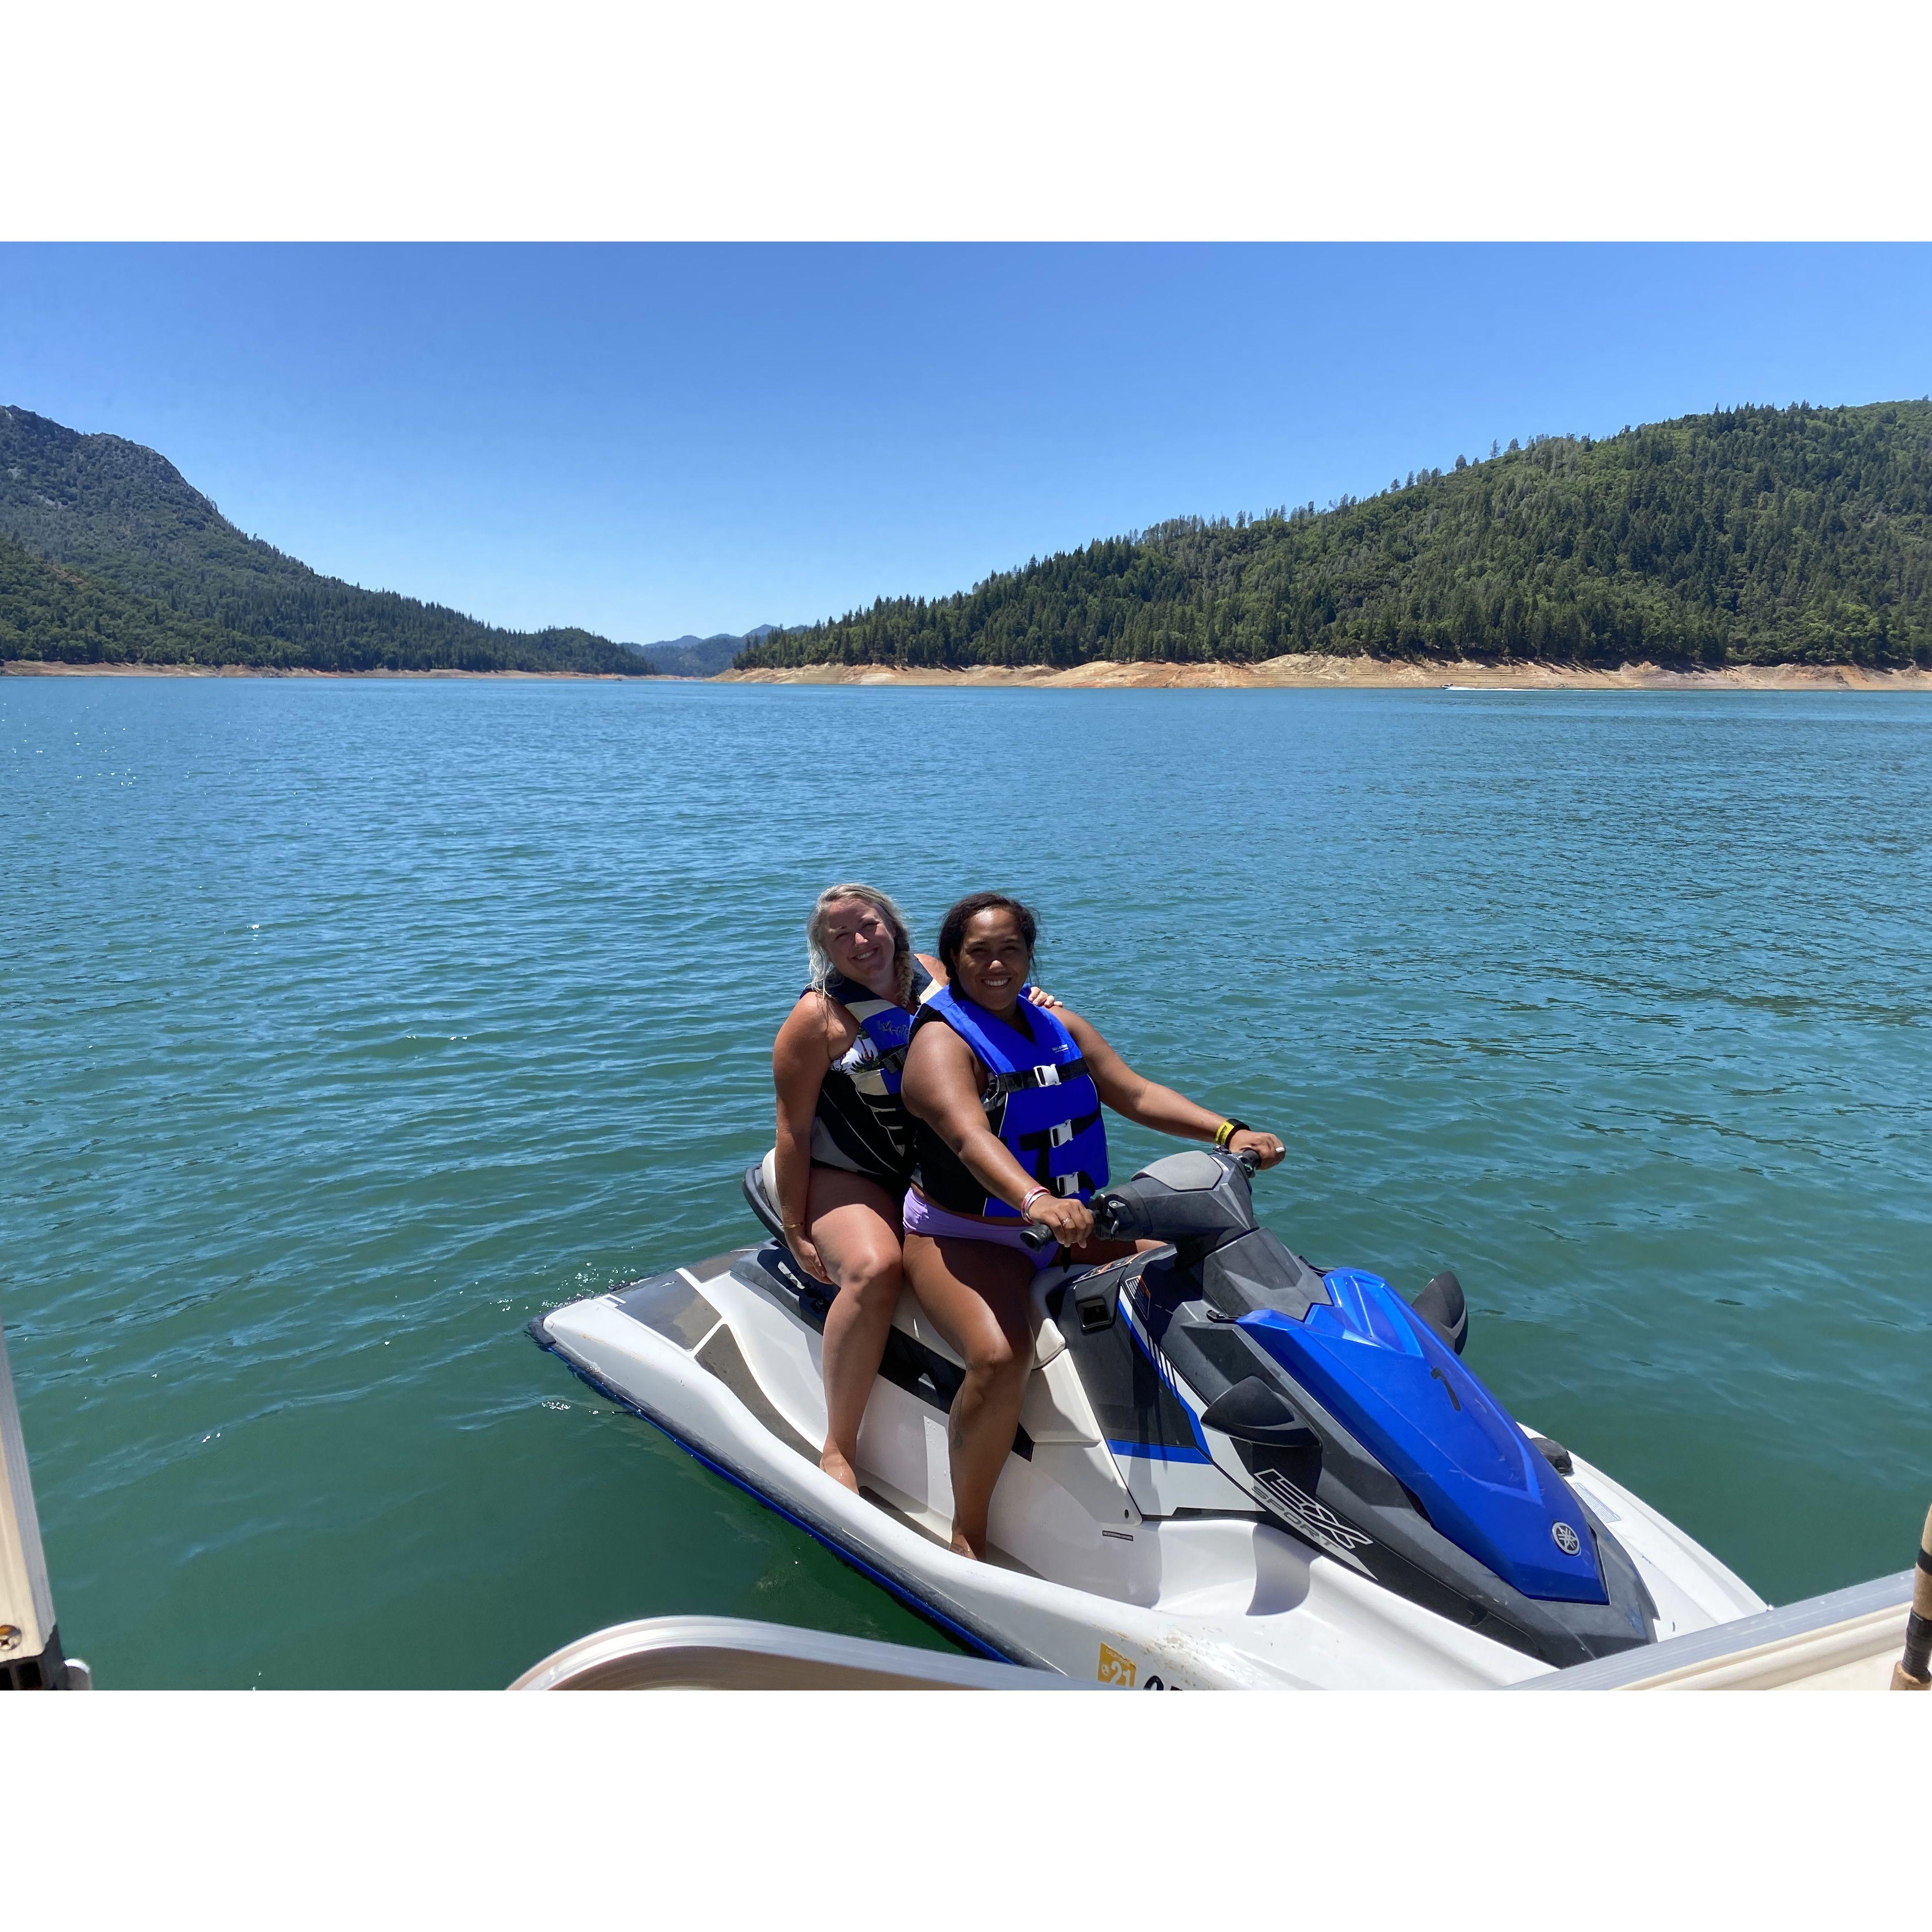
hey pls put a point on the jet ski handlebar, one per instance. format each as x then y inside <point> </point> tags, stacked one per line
<point>1102,1206</point>
<point>1184,1195</point>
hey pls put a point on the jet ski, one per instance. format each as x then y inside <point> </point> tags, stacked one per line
<point>1233,1468</point>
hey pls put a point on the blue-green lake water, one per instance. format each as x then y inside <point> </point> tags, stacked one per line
<point>349,1025</point>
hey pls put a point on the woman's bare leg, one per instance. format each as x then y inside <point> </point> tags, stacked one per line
<point>854,1224</point>
<point>979,1294</point>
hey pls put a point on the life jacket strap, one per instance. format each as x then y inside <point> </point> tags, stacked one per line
<point>1041,1144</point>
<point>1031,1077</point>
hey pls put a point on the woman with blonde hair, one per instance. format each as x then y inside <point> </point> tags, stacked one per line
<point>843,1150</point>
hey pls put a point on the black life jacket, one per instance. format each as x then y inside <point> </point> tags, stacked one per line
<point>860,1123</point>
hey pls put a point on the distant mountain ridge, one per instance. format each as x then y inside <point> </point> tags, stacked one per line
<point>693,656</point>
<point>1752,535</point>
<point>145,568</point>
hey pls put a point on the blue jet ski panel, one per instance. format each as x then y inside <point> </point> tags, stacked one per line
<point>1383,1374</point>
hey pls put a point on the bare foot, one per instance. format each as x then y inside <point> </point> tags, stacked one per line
<point>835,1466</point>
<point>961,1547</point>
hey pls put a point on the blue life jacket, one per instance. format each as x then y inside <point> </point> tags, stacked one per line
<point>1039,1099</point>
<point>860,1123</point>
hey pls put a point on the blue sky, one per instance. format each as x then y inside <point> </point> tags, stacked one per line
<point>650,440</point>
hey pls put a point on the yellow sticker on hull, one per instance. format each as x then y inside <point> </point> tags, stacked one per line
<point>1115,1668</point>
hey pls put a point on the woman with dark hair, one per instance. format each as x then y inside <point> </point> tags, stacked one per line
<point>843,1154</point>
<point>1006,1106</point>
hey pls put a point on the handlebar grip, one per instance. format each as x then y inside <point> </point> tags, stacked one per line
<point>1037,1237</point>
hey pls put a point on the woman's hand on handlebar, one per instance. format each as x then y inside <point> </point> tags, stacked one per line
<point>1069,1222</point>
<point>1265,1148</point>
<point>806,1255</point>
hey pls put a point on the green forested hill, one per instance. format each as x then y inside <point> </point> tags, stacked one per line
<point>152,571</point>
<point>1757,535</point>
<point>48,611</point>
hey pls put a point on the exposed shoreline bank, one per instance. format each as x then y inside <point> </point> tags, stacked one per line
<point>1297,673</point>
<point>1311,673</point>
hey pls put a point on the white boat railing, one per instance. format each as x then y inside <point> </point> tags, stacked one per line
<point>1847,1640</point>
<point>737,1654</point>
<point>31,1658</point>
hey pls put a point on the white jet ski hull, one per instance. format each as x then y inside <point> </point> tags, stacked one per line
<point>1190,1587</point>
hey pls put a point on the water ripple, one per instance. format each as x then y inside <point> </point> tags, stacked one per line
<point>353,1024</point>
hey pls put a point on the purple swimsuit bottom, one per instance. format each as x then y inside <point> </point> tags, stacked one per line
<point>922,1217</point>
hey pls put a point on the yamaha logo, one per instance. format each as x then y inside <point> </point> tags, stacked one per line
<point>1567,1538</point>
